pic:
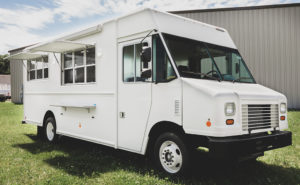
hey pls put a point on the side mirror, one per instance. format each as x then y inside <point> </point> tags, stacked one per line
<point>146,56</point>
<point>146,74</point>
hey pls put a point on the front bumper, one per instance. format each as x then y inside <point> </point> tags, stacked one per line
<point>247,145</point>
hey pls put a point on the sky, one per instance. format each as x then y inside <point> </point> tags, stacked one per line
<point>31,21</point>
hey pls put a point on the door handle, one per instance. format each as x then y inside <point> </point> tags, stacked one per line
<point>122,114</point>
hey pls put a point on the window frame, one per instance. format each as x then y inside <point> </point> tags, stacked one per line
<point>213,60</point>
<point>35,68</point>
<point>134,54</point>
<point>169,60</point>
<point>73,67</point>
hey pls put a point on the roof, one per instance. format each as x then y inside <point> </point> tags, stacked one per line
<point>150,19</point>
<point>20,48</point>
<point>237,8</point>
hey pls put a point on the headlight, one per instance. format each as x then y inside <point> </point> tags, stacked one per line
<point>283,107</point>
<point>229,109</point>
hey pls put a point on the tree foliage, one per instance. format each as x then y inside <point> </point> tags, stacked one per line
<point>4,65</point>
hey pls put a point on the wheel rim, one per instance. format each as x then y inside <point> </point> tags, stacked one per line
<point>170,156</point>
<point>50,131</point>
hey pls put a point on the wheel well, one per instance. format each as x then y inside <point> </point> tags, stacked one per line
<point>47,115</point>
<point>159,128</point>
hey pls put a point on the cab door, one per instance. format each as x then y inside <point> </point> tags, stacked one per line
<point>134,94</point>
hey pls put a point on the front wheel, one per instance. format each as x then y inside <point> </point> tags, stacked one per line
<point>50,130</point>
<point>171,154</point>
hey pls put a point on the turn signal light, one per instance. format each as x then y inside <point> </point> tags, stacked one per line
<point>229,122</point>
<point>282,118</point>
<point>208,123</point>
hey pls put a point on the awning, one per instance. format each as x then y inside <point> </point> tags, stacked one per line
<point>59,46</point>
<point>25,56</point>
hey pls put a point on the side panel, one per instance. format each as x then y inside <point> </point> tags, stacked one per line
<point>97,125</point>
<point>166,106</point>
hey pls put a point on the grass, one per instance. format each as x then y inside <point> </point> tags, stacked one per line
<point>26,160</point>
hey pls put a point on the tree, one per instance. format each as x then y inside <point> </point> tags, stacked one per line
<point>4,65</point>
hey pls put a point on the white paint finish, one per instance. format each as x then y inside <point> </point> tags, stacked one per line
<point>164,98</point>
<point>189,28</point>
<point>165,110</point>
<point>204,100</point>
<point>135,23</point>
<point>40,94</point>
<point>185,102</point>
<point>134,101</point>
<point>97,124</point>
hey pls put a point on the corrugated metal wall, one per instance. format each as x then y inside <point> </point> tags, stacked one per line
<point>269,41</point>
<point>16,72</point>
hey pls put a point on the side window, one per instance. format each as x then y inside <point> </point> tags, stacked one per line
<point>162,68</point>
<point>46,67</point>
<point>38,68</point>
<point>128,63</point>
<point>68,68</point>
<point>90,65</point>
<point>138,63</point>
<point>79,66</point>
<point>132,65</point>
<point>31,69</point>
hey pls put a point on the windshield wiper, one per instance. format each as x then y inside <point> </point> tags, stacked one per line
<point>204,74</point>
<point>238,79</point>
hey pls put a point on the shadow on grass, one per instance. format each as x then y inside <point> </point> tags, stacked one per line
<point>82,158</point>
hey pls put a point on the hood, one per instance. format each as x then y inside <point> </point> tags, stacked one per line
<point>224,88</point>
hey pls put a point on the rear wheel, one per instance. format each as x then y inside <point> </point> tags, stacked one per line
<point>50,130</point>
<point>171,154</point>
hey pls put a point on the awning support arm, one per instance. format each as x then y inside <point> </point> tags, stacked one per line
<point>57,62</point>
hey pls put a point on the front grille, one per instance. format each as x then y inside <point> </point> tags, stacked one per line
<point>259,116</point>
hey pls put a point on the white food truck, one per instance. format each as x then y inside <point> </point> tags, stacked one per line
<point>152,82</point>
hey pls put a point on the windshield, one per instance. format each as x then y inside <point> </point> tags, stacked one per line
<point>195,59</point>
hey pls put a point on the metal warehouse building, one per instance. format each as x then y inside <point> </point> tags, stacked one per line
<point>268,38</point>
<point>16,72</point>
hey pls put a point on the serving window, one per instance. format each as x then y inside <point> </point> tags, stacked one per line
<point>37,68</point>
<point>79,67</point>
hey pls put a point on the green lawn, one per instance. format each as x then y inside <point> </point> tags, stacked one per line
<point>26,160</point>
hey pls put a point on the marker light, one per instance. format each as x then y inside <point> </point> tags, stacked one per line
<point>229,122</point>
<point>282,118</point>
<point>283,107</point>
<point>208,123</point>
<point>229,109</point>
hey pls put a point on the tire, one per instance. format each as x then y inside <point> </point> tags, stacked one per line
<point>171,154</point>
<point>50,130</point>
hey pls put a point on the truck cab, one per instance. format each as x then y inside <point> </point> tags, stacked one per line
<point>223,108</point>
